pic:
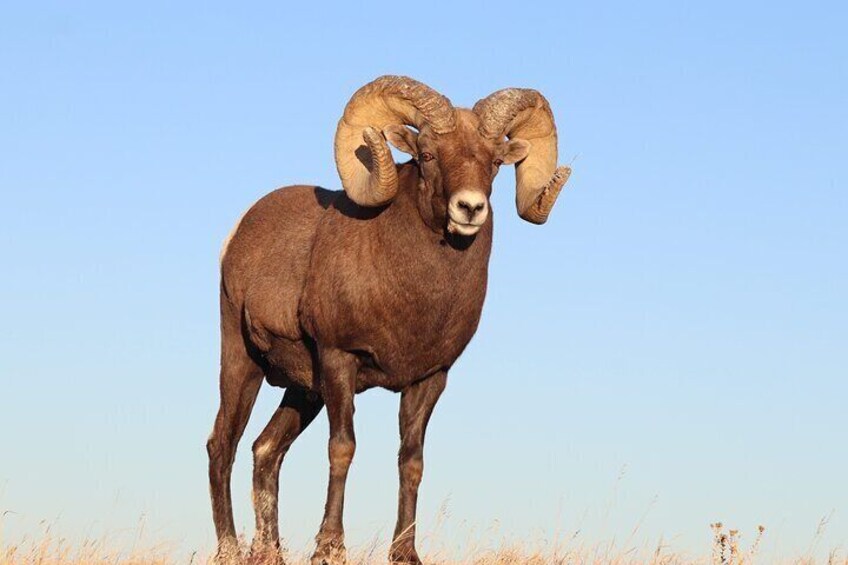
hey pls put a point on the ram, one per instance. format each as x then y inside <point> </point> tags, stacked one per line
<point>327,294</point>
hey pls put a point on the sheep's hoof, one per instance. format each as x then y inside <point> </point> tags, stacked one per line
<point>404,556</point>
<point>265,554</point>
<point>329,552</point>
<point>228,554</point>
<point>406,561</point>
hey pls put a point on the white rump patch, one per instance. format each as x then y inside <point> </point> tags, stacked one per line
<point>232,233</point>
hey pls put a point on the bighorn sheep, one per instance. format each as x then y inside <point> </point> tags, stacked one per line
<point>327,294</point>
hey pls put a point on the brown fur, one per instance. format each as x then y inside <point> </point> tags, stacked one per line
<point>327,299</point>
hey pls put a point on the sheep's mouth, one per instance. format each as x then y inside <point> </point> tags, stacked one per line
<point>460,228</point>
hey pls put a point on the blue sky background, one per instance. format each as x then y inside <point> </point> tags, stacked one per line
<point>669,350</point>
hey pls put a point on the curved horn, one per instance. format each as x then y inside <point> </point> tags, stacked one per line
<point>363,158</point>
<point>524,113</point>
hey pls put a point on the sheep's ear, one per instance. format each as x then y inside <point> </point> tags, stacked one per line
<point>403,138</point>
<point>516,150</point>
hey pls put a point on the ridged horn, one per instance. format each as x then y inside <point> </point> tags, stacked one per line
<point>524,113</point>
<point>363,158</point>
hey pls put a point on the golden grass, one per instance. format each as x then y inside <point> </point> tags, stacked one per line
<point>727,549</point>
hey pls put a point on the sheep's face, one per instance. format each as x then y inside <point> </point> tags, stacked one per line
<point>457,169</point>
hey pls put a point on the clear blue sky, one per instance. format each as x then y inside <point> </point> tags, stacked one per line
<point>671,344</point>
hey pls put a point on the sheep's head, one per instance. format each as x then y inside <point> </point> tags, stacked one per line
<point>458,151</point>
<point>457,169</point>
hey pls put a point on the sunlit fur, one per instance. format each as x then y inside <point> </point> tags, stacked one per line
<point>326,298</point>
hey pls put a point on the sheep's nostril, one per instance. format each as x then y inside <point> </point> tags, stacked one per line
<point>470,210</point>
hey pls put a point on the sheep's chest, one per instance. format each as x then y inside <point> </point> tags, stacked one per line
<point>416,333</point>
<point>429,325</point>
<point>410,313</point>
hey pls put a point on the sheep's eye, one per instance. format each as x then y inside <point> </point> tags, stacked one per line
<point>498,162</point>
<point>426,156</point>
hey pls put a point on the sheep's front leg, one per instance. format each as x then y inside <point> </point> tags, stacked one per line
<point>416,406</point>
<point>338,380</point>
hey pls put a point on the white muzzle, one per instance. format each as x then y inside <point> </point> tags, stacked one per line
<point>467,212</point>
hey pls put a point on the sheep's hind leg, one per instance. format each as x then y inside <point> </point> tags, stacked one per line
<point>296,411</point>
<point>338,379</point>
<point>416,407</point>
<point>241,378</point>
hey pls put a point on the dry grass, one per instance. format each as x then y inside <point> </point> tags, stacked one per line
<point>727,549</point>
